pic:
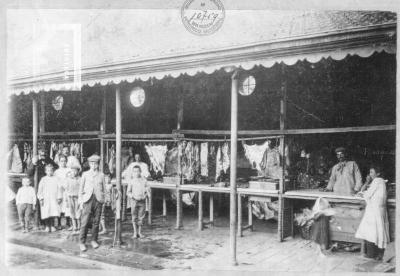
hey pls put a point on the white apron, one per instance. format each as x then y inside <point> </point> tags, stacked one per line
<point>374,226</point>
<point>50,192</point>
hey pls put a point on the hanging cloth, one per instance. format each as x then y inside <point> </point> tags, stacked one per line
<point>204,159</point>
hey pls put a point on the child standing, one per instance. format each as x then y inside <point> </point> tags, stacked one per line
<point>374,226</point>
<point>26,203</point>
<point>72,191</point>
<point>137,191</point>
<point>62,173</point>
<point>50,196</point>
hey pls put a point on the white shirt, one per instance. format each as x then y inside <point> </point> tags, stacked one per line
<point>137,188</point>
<point>26,194</point>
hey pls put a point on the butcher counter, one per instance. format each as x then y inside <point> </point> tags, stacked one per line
<point>345,223</point>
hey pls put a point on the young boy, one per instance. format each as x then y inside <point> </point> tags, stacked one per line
<point>63,173</point>
<point>50,197</point>
<point>72,190</point>
<point>26,203</point>
<point>137,191</point>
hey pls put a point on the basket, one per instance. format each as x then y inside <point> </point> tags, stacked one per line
<point>305,232</point>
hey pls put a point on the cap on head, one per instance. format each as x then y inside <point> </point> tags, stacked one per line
<point>75,167</point>
<point>94,158</point>
<point>340,149</point>
<point>50,166</point>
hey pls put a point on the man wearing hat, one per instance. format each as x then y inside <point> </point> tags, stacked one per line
<point>345,176</point>
<point>91,198</point>
<point>40,163</point>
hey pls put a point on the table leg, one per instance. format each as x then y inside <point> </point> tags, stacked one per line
<point>178,209</point>
<point>239,229</point>
<point>250,214</point>
<point>164,205</point>
<point>211,209</point>
<point>200,210</point>
<point>150,206</point>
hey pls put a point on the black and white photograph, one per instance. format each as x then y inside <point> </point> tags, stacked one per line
<point>200,138</point>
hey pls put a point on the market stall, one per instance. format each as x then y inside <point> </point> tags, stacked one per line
<point>275,56</point>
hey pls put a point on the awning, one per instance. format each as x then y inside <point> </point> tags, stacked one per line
<point>67,49</point>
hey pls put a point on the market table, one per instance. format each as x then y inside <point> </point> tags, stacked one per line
<point>207,188</point>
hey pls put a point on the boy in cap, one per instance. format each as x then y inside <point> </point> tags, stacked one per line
<point>26,203</point>
<point>91,197</point>
<point>345,176</point>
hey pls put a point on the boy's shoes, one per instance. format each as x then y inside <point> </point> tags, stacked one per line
<point>53,229</point>
<point>141,235</point>
<point>95,245</point>
<point>47,229</point>
<point>24,230</point>
<point>103,232</point>
<point>70,228</point>
<point>82,247</point>
<point>134,235</point>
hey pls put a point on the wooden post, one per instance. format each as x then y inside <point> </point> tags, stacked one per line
<point>211,209</point>
<point>178,209</point>
<point>118,144</point>
<point>200,210</point>
<point>103,117</point>
<point>233,188</point>
<point>35,127</point>
<point>42,116</point>
<point>239,230</point>
<point>282,123</point>
<point>180,111</point>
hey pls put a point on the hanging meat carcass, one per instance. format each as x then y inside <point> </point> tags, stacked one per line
<point>255,154</point>
<point>16,163</point>
<point>157,154</point>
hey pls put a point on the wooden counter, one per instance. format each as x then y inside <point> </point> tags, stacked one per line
<point>347,226</point>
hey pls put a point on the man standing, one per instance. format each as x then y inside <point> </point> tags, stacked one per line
<point>40,163</point>
<point>92,197</point>
<point>345,176</point>
<point>72,161</point>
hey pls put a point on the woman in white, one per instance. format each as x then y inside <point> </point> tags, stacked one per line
<point>374,226</point>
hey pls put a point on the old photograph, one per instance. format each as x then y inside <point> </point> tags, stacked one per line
<point>201,138</point>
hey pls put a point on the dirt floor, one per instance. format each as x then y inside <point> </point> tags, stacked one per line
<point>167,248</point>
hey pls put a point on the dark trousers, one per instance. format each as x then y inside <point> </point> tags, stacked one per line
<point>24,214</point>
<point>91,210</point>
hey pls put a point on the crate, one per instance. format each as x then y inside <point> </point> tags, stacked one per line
<point>264,185</point>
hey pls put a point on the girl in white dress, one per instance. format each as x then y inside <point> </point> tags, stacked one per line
<point>50,197</point>
<point>63,174</point>
<point>374,226</point>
